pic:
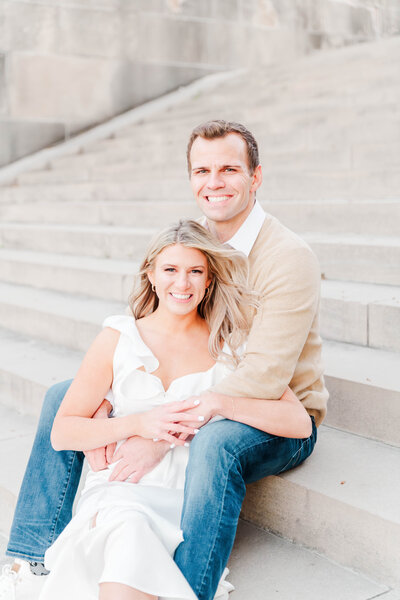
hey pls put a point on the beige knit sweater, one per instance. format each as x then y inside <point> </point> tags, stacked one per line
<point>284,346</point>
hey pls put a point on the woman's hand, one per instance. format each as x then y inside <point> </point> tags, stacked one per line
<point>163,422</point>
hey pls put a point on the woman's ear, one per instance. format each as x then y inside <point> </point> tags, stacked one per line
<point>150,276</point>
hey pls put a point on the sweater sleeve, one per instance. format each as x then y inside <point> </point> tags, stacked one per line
<point>289,284</point>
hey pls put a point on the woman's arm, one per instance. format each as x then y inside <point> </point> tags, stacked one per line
<point>285,417</point>
<point>74,428</point>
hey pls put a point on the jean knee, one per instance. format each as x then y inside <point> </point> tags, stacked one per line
<point>52,400</point>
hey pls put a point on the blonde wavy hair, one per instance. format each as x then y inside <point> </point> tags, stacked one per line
<point>228,307</point>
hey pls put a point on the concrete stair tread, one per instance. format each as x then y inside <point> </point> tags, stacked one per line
<point>36,360</point>
<point>349,291</point>
<point>364,293</point>
<point>260,562</point>
<point>118,229</point>
<point>341,483</point>
<point>127,190</point>
<point>349,469</point>
<point>370,217</point>
<point>106,265</point>
<point>126,172</point>
<point>91,310</point>
<point>352,239</point>
<point>370,366</point>
<point>312,237</point>
<point>263,565</point>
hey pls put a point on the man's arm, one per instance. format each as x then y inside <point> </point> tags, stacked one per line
<point>289,289</point>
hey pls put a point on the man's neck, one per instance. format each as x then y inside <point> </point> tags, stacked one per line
<point>225,230</point>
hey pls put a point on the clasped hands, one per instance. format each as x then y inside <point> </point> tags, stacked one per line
<point>170,424</point>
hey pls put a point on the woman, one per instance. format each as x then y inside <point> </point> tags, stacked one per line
<point>192,312</point>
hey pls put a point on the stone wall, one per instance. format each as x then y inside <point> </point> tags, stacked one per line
<point>66,65</point>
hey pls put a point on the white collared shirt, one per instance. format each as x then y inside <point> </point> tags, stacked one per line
<point>243,240</point>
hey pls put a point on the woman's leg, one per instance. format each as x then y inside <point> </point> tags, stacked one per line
<point>48,490</point>
<point>119,591</point>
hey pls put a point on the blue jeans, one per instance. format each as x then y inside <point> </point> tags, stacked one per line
<point>224,456</point>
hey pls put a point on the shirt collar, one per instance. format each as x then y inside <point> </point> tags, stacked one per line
<point>246,235</point>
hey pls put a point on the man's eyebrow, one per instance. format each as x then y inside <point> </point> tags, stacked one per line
<point>232,166</point>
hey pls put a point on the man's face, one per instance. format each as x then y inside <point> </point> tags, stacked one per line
<point>221,181</point>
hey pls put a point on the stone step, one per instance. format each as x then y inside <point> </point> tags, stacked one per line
<point>70,321</point>
<point>368,217</point>
<point>285,565</point>
<point>28,367</point>
<point>349,501</point>
<point>343,502</point>
<point>281,184</point>
<point>160,162</point>
<point>357,313</point>
<point>361,313</point>
<point>357,258</point>
<point>342,257</point>
<point>147,214</point>
<point>82,275</point>
<point>247,109</point>
<point>84,192</point>
<point>157,159</point>
<point>128,191</point>
<point>95,241</point>
<point>364,389</point>
<point>263,565</point>
<point>369,375</point>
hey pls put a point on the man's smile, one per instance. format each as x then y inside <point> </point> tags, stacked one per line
<point>213,199</point>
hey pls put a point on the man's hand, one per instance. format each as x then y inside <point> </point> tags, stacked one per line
<point>137,456</point>
<point>99,458</point>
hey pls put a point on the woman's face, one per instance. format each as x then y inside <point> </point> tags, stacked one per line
<point>180,277</point>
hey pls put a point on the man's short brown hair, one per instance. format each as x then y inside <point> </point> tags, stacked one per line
<point>219,128</point>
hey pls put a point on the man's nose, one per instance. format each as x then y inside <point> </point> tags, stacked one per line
<point>215,180</point>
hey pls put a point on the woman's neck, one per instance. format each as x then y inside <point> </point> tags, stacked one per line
<point>172,324</point>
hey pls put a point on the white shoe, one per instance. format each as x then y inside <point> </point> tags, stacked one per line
<point>21,584</point>
<point>224,587</point>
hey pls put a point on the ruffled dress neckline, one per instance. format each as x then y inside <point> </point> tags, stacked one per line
<point>144,353</point>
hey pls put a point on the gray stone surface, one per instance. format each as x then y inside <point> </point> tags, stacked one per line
<point>333,183</point>
<point>3,85</point>
<point>72,322</point>
<point>29,367</point>
<point>86,51</point>
<point>264,565</point>
<point>22,137</point>
<point>30,26</point>
<point>331,486</point>
<point>364,390</point>
<point>76,88</point>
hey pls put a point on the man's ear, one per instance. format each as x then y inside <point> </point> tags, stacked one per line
<point>257,178</point>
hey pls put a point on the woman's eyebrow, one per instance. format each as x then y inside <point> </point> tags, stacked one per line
<point>190,267</point>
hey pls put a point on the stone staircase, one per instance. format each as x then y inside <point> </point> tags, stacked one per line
<point>72,233</point>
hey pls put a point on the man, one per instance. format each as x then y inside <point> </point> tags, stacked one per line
<point>283,348</point>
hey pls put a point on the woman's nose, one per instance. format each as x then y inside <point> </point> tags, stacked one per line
<point>183,281</point>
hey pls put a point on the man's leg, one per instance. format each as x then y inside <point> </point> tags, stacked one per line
<point>48,490</point>
<point>224,456</point>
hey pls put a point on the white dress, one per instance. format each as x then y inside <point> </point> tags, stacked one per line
<point>137,525</point>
